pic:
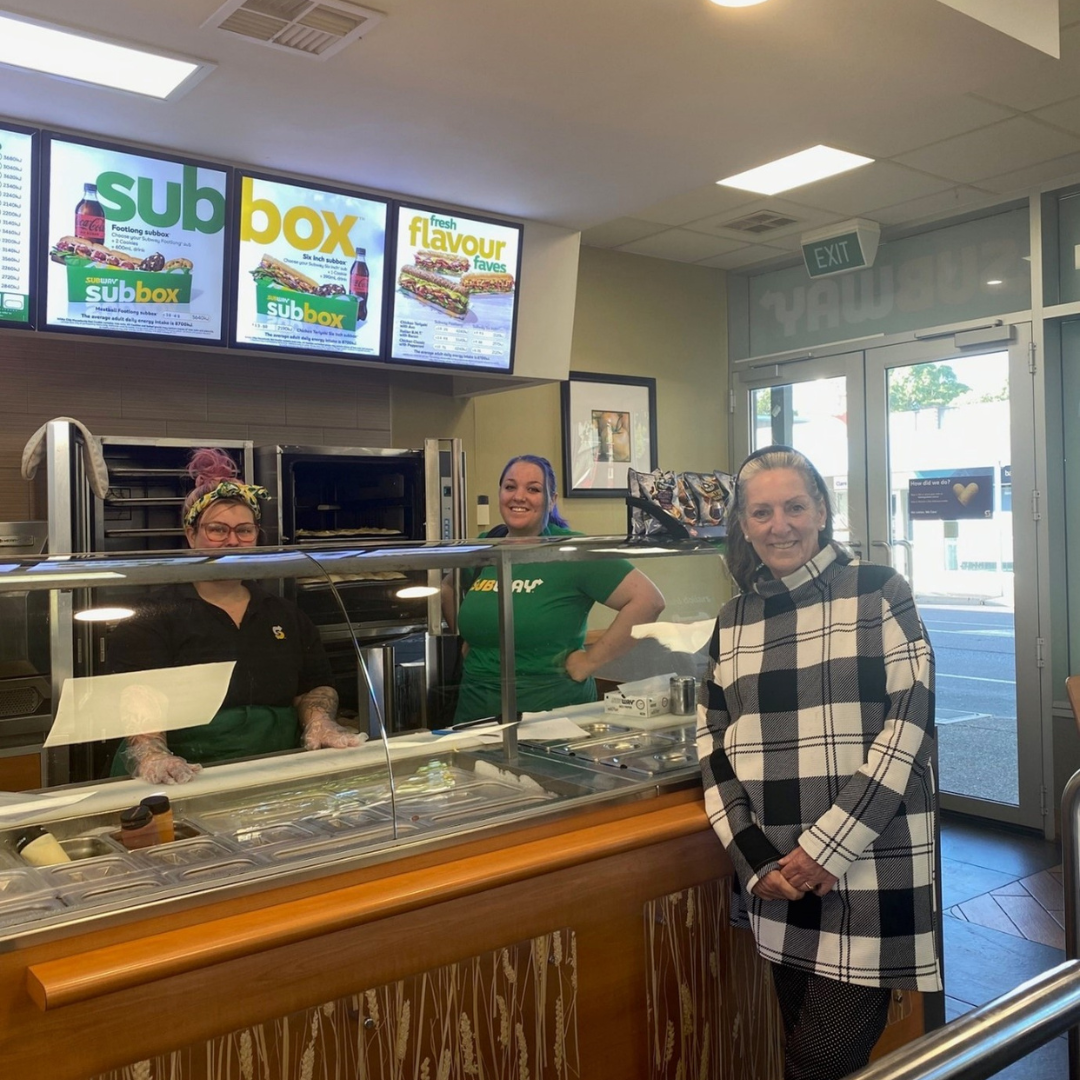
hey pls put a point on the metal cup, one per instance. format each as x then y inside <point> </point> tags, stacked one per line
<point>683,695</point>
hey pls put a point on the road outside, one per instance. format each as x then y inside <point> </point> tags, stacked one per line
<point>976,699</point>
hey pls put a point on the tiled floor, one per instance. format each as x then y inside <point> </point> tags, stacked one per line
<point>1003,912</point>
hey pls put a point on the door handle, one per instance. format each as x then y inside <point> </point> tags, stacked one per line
<point>888,549</point>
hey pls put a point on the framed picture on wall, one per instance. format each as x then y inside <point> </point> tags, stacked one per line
<point>608,426</point>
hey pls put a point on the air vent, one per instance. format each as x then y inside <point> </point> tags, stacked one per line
<point>762,222</point>
<point>315,28</point>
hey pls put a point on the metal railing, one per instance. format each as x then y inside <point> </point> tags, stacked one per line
<point>982,1042</point>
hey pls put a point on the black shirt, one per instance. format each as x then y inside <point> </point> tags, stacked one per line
<point>277,649</point>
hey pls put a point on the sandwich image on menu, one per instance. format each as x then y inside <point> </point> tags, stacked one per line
<point>434,289</point>
<point>141,279</point>
<point>287,293</point>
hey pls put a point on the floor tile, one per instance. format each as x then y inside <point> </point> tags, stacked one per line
<point>1048,1062</point>
<point>961,881</point>
<point>1046,888</point>
<point>1013,853</point>
<point>985,911</point>
<point>982,964</point>
<point>1032,920</point>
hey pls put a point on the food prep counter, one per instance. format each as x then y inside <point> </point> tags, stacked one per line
<point>424,905</point>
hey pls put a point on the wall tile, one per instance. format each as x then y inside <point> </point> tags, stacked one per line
<point>287,436</point>
<point>179,397</point>
<point>326,408</point>
<point>356,437</point>
<point>14,496</point>
<point>14,383</point>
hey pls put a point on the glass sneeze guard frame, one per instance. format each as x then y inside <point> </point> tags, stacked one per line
<point>69,574</point>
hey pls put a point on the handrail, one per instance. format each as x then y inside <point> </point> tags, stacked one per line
<point>1070,857</point>
<point>981,1043</point>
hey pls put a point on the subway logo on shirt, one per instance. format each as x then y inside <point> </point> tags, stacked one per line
<point>491,585</point>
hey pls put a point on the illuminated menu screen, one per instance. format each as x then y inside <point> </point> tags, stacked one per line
<point>309,268</point>
<point>135,242</point>
<point>455,290</point>
<point>16,187</point>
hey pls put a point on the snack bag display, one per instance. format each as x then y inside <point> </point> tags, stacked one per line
<point>712,491</point>
<point>686,504</point>
<point>644,485</point>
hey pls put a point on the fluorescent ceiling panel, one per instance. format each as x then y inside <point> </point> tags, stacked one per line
<point>85,58</point>
<point>795,170</point>
<point>1034,22</point>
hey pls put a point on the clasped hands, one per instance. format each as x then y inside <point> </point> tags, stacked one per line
<point>797,876</point>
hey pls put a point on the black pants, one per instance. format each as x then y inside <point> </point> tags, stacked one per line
<point>830,1027</point>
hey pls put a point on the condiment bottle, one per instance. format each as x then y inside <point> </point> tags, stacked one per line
<point>161,808</point>
<point>90,217</point>
<point>358,283</point>
<point>138,828</point>
<point>39,847</point>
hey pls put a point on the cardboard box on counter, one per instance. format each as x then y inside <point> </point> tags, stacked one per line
<point>637,704</point>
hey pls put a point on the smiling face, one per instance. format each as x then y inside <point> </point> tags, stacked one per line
<point>222,513</point>
<point>523,499</point>
<point>782,520</point>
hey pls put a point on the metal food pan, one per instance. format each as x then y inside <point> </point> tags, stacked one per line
<point>324,846</point>
<point>682,756</point>
<point>237,866</point>
<point>118,891</point>
<point>482,810</point>
<point>78,848</point>
<point>280,833</point>
<point>482,792</point>
<point>622,746</point>
<point>186,852</point>
<point>89,870</point>
<point>16,912</point>
<point>15,884</point>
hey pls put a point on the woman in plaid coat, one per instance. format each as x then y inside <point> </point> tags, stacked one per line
<point>815,741</point>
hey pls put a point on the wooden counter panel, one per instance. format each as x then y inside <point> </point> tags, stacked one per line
<point>70,979</point>
<point>602,899</point>
<point>20,772</point>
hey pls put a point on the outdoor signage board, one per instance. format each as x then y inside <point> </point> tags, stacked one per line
<point>957,497</point>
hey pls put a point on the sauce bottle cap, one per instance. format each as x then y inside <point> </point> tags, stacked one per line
<point>135,817</point>
<point>157,804</point>
<point>29,835</point>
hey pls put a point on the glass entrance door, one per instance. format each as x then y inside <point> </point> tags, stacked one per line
<point>923,445</point>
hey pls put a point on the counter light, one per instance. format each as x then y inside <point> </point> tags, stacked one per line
<point>104,614</point>
<point>69,54</point>
<point>795,170</point>
<point>412,592</point>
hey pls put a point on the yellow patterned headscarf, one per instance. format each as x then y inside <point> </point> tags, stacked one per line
<point>249,494</point>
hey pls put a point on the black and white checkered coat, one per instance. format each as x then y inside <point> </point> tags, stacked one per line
<point>816,730</point>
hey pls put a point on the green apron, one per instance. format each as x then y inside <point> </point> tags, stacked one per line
<point>240,731</point>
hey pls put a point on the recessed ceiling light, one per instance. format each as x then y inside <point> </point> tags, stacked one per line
<point>995,281</point>
<point>70,54</point>
<point>738,3</point>
<point>795,170</point>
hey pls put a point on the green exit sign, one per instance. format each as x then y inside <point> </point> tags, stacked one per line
<point>836,255</point>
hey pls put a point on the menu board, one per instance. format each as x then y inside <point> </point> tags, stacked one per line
<point>455,289</point>
<point>309,268</point>
<point>16,218</point>
<point>136,242</point>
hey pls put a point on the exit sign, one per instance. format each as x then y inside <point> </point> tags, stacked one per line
<point>836,255</point>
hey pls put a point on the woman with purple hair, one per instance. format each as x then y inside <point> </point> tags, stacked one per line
<point>552,601</point>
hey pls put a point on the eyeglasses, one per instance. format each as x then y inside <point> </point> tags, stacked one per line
<point>218,531</point>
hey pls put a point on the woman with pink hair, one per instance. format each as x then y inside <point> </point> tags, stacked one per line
<point>280,696</point>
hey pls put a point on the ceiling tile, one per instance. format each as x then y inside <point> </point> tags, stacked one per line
<point>880,184</point>
<point>1035,80</point>
<point>1069,11</point>
<point>806,217</point>
<point>884,134</point>
<point>681,245</point>
<point>618,231</point>
<point>1065,114</point>
<point>990,151</point>
<point>1019,182</point>
<point>699,203</point>
<point>954,201</point>
<point>747,256</point>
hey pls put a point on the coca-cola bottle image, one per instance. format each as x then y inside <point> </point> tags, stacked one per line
<point>90,217</point>
<point>358,284</point>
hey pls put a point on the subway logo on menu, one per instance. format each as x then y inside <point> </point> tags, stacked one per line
<point>330,312</point>
<point>92,285</point>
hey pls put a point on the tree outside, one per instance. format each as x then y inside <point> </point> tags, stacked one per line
<point>924,386</point>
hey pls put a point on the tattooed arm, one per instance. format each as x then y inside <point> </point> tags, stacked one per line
<point>317,710</point>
